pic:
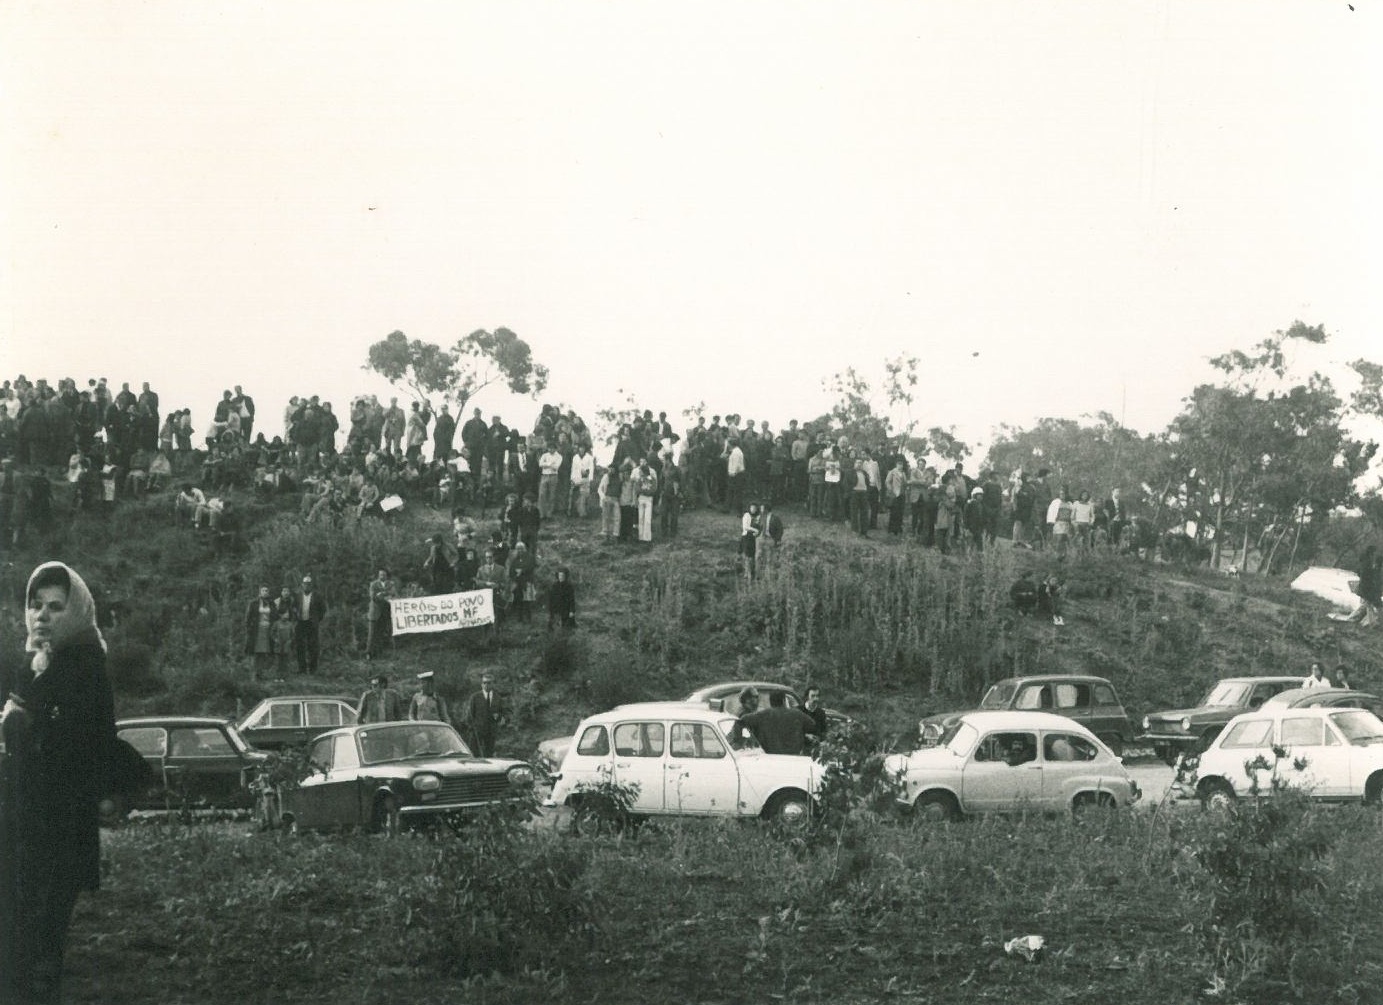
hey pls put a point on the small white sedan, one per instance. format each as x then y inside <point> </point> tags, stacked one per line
<point>679,761</point>
<point>1012,762</point>
<point>1335,754</point>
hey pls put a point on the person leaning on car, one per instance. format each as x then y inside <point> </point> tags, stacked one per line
<point>779,729</point>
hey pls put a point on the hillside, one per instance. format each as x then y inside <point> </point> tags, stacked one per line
<point>889,629</point>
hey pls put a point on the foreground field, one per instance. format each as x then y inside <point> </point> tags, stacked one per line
<point>875,910</point>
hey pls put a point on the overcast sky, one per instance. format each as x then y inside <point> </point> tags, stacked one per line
<point>1061,207</point>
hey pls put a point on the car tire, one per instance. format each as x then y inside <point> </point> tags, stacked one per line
<point>1091,804</point>
<point>592,817</point>
<point>1217,794</point>
<point>1373,790</point>
<point>1114,742</point>
<point>387,819</point>
<point>936,807</point>
<point>792,810</point>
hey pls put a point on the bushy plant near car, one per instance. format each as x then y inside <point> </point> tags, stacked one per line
<point>1268,860</point>
<point>506,899</point>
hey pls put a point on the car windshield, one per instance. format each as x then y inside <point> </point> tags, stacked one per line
<point>401,741</point>
<point>1360,727</point>
<point>1227,694</point>
<point>237,741</point>
<point>961,738</point>
<point>997,696</point>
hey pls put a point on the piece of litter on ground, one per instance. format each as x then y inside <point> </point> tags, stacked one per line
<point>1029,947</point>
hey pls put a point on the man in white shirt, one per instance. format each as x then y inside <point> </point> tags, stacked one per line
<point>1316,678</point>
<point>734,475</point>
<point>582,474</point>
<point>549,464</point>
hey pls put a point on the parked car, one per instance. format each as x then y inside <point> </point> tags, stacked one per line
<point>722,697</point>
<point>1327,697</point>
<point>1011,762</point>
<point>198,763</point>
<point>291,720</point>
<point>1187,731</point>
<point>1333,753</point>
<point>1091,701</point>
<point>392,775</point>
<point>679,759</point>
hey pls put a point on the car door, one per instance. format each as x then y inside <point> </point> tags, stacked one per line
<point>152,744</point>
<point>1073,701</point>
<point>1002,773</point>
<point>701,775</point>
<point>1107,716</point>
<point>639,762</point>
<point>203,768</point>
<point>1317,758</point>
<point>1245,742</point>
<point>1067,758</point>
<point>309,800</point>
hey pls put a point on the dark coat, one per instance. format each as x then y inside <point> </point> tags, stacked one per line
<point>56,767</point>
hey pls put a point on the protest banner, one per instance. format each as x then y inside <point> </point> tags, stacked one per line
<point>442,612</point>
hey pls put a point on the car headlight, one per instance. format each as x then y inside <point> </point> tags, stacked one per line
<point>427,783</point>
<point>1186,724</point>
<point>1147,722</point>
<point>521,774</point>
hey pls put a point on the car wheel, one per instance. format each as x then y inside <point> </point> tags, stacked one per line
<point>1114,742</point>
<point>790,809</point>
<point>387,818</point>
<point>936,807</point>
<point>593,816</point>
<point>1091,804</point>
<point>1217,795</point>
<point>1373,790</point>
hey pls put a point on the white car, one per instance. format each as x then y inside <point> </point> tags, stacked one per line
<point>1333,753</point>
<point>1012,762</point>
<point>679,759</point>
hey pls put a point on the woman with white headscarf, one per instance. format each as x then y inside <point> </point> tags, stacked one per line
<point>58,727</point>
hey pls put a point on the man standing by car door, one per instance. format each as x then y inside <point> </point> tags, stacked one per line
<point>379,704</point>
<point>483,716</point>
<point>310,611</point>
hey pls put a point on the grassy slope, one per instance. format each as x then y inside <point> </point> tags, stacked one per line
<point>694,912</point>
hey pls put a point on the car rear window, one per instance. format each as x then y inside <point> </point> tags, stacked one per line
<point>323,713</point>
<point>1253,733</point>
<point>595,742</point>
<point>1072,695</point>
<point>696,739</point>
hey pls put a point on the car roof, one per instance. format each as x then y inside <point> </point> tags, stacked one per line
<point>1056,677</point>
<point>658,709</point>
<point>1015,719</point>
<point>701,693</point>
<point>308,697</point>
<point>171,720</point>
<point>1311,711</point>
<point>1304,695</point>
<point>1258,680</point>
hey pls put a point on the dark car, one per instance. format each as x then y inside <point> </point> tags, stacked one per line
<point>1091,701</point>
<point>1191,730</point>
<point>290,720</point>
<point>198,763</point>
<point>388,776</point>
<point>1328,697</point>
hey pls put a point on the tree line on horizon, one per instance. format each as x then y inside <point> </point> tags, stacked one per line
<point>1256,461</point>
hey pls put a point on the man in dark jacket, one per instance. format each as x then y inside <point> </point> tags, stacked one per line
<point>484,716</point>
<point>779,729</point>
<point>443,431</point>
<point>308,612</point>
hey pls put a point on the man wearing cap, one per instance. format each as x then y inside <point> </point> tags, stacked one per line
<point>379,704</point>
<point>483,716</point>
<point>427,705</point>
<point>308,613</point>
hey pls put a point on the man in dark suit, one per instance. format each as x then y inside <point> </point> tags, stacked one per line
<point>308,613</point>
<point>483,716</point>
